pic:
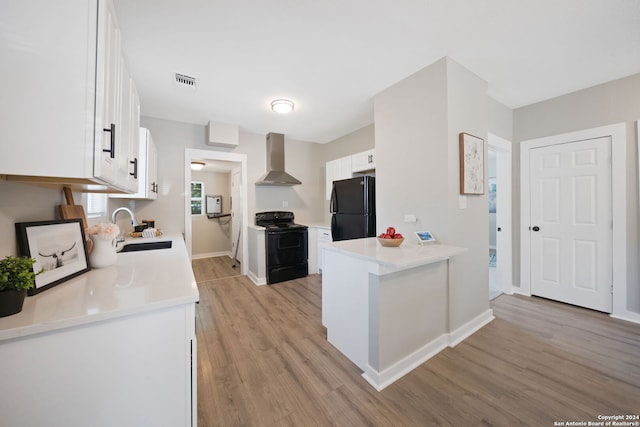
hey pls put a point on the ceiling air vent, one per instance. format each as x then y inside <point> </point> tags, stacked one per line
<point>184,80</point>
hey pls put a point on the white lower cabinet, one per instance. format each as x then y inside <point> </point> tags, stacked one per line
<point>66,109</point>
<point>324,238</point>
<point>137,370</point>
<point>257,257</point>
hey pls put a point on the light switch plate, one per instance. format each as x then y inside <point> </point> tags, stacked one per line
<point>462,202</point>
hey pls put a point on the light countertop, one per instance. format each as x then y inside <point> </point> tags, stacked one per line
<point>138,282</point>
<point>408,255</point>
<point>319,225</point>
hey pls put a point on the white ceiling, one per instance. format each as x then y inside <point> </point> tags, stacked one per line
<point>331,57</point>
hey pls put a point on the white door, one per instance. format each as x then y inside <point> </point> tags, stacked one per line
<point>571,223</point>
<point>503,235</point>
<point>236,211</point>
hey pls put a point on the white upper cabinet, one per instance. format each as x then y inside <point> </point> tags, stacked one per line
<point>364,161</point>
<point>61,109</point>
<point>147,165</point>
<point>345,167</point>
<point>129,136</point>
<point>336,170</point>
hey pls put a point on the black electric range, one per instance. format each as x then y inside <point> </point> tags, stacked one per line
<point>286,246</point>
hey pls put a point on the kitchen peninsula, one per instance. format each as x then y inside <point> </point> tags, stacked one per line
<point>113,346</point>
<point>387,309</point>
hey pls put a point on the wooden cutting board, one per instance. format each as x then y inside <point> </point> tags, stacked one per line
<point>71,210</point>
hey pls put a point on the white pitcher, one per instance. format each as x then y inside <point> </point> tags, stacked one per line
<point>104,251</point>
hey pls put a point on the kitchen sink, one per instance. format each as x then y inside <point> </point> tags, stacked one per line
<point>146,246</point>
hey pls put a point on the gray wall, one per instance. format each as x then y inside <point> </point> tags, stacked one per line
<point>355,142</point>
<point>500,119</point>
<point>21,203</point>
<point>605,104</point>
<point>417,171</point>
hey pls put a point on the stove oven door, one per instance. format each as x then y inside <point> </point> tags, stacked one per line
<point>287,255</point>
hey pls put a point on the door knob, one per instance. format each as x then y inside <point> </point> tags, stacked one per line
<point>536,228</point>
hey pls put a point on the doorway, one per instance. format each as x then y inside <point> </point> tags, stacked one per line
<point>213,210</point>
<point>500,230</point>
<point>616,134</point>
<point>240,163</point>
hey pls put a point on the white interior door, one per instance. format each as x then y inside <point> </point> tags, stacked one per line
<point>502,227</point>
<point>236,211</point>
<point>571,223</point>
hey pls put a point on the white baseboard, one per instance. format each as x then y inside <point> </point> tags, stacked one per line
<point>211,255</point>
<point>629,316</point>
<point>466,330</point>
<point>518,290</point>
<point>380,380</point>
<point>257,280</point>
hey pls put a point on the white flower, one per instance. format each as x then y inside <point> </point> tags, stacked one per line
<point>104,230</point>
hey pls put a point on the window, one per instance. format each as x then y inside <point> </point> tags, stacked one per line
<point>96,204</point>
<point>197,198</point>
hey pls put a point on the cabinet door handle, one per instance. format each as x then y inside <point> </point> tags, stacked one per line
<point>134,174</point>
<point>112,141</point>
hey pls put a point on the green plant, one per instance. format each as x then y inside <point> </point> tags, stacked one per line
<point>16,273</point>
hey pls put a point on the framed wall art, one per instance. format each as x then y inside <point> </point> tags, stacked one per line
<point>471,164</point>
<point>59,248</point>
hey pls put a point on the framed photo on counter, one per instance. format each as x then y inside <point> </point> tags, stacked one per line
<point>59,248</point>
<point>425,237</point>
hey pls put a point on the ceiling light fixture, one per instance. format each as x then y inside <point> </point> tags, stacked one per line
<point>282,106</point>
<point>196,166</point>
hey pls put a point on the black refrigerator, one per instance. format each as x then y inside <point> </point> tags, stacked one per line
<point>353,208</point>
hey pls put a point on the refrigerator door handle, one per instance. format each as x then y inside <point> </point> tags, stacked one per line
<point>333,227</point>
<point>333,205</point>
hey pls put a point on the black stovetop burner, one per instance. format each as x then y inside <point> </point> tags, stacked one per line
<point>277,220</point>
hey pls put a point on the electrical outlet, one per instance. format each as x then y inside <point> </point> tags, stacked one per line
<point>285,204</point>
<point>410,218</point>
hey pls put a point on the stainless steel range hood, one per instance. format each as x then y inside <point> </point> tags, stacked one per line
<point>275,163</point>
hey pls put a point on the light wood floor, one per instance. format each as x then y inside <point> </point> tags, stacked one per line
<point>263,360</point>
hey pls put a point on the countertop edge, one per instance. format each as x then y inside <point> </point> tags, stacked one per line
<point>22,329</point>
<point>367,246</point>
<point>58,325</point>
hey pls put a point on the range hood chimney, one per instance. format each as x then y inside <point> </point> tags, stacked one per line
<point>275,163</point>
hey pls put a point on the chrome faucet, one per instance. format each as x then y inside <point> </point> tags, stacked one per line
<point>133,218</point>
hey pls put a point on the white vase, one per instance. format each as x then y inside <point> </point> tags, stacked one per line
<point>104,251</point>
